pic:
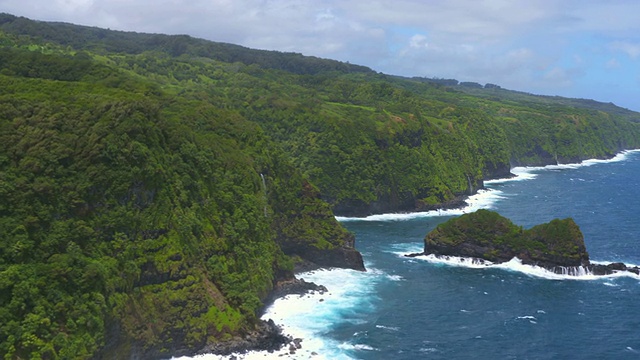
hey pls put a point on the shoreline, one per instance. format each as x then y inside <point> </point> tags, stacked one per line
<point>521,173</point>
<point>298,345</point>
<point>294,301</point>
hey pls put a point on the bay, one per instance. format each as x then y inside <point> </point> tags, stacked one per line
<point>418,308</point>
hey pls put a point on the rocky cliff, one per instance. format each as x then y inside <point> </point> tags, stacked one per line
<point>486,234</point>
<point>557,245</point>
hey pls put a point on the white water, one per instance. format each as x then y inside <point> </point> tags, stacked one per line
<point>515,264</point>
<point>529,172</point>
<point>350,297</point>
<point>485,198</point>
<point>481,200</point>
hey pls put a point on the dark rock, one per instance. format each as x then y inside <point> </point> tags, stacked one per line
<point>486,235</point>
<point>557,246</point>
<point>414,254</point>
<point>617,266</point>
<point>293,287</point>
<point>403,203</point>
<point>267,336</point>
<point>341,257</point>
<point>599,269</point>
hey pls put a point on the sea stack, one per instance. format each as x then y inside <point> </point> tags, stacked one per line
<point>487,235</point>
<point>557,245</point>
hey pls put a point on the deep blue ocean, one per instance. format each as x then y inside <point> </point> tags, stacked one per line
<point>439,311</point>
<point>420,308</point>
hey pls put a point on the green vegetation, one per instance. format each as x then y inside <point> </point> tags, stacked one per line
<point>153,188</point>
<point>488,235</point>
<point>125,205</point>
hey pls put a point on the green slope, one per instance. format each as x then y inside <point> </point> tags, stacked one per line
<point>154,188</point>
<point>130,212</point>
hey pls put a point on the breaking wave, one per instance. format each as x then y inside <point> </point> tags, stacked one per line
<point>516,265</point>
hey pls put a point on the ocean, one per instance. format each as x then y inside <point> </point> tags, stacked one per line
<point>425,308</point>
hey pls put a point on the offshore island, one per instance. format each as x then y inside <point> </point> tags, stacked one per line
<point>485,235</point>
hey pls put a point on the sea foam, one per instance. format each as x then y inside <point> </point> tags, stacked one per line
<point>516,265</point>
<point>350,297</point>
<point>483,199</point>
<point>530,172</point>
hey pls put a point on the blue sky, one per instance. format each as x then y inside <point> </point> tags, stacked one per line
<point>575,48</point>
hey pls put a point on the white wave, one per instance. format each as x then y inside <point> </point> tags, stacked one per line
<point>526,317</point>
<point>401,249</point>
<point>390,328</point>
<point>621,156</point>
<point>395,277</point>
<point>521,173</point>
<point>483,199</point>
<point>360,347</point>
<point>530,172</point>
<point>309,317</point>
<point>515,264</point>
<point>456,261</point>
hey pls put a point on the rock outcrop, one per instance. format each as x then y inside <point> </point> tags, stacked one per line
<point>557,245</point>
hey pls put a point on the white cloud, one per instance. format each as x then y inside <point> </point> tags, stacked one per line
<point>629,48</point>
<point>418,41</point>
<point>613,64</point>
<point>520,55</point>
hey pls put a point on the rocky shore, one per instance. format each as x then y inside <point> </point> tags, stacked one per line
<point>557,246</point>
<point>267,336</point>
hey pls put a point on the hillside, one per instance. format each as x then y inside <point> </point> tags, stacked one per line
<point>155,189</point>
<point>133,218</point>
<point>353,131</point>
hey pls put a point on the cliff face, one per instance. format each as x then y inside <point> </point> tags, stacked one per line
<point>139,225</point>
<point>487,235</point>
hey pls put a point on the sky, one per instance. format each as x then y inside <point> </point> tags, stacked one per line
<point>575,48</point>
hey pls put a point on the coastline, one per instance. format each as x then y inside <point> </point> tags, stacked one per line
<point>485,194</point>
<point>286,310</point>
<point>304,317</point>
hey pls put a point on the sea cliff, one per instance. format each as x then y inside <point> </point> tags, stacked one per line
<point>486,235</point>
<point>156,189</point>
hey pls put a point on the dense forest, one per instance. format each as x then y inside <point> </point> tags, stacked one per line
<point>154,189</point>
